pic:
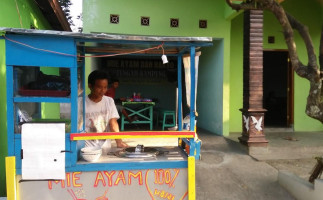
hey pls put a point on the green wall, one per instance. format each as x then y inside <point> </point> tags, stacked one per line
<point>228,41</point>
<point>29,14</point>
<point>96,15</point>
<point>9,17</point>
<point>3,119</point>
<point>50,110</point>
<point>236,76</point>
<point>311,15</point>
<point>211,95</point>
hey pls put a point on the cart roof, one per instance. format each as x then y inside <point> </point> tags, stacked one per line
<point>96,43</point>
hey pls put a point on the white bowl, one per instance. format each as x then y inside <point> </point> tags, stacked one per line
<point>91,157</point>
<point>91,154</point>
<point>91,150</point>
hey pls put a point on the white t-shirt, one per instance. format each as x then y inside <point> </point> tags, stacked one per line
<point>97,118</point>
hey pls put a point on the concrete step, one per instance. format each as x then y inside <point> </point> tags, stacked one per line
<point>300,188</point>
<point>278,129</point>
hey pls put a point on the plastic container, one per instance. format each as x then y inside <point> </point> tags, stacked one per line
<point>46,93</point>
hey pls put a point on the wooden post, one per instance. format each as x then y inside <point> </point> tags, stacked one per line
<point>253,111</point>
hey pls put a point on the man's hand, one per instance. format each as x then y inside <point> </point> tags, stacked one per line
<point>114,127</point>
<point>121,144</point>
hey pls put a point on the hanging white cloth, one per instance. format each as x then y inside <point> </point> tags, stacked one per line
<point>187,71</point>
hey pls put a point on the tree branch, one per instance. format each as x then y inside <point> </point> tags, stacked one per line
<point>242,6</point>
<point>288,23</point>
<point>303,31</point>
<point>281,16</point>
<point>321,49</point>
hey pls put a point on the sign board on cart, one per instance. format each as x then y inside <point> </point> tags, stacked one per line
<point>154,184</point>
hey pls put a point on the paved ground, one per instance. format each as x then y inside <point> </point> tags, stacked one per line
<point>226,171</point>
<point>292,151</point>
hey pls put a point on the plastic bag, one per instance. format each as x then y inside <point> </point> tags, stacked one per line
<point>49,82</point>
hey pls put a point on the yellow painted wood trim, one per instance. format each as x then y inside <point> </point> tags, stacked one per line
<point>11,178</point>
<point>129,136</point>
<point>191,178</point>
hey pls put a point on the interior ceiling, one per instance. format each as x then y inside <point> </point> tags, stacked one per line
<point>101,48</point>
<point>135,49</point>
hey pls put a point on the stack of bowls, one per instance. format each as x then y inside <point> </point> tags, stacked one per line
<point>91,154</point>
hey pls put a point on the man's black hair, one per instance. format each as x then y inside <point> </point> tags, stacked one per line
<point>115,80</point>
<point>96,75</point>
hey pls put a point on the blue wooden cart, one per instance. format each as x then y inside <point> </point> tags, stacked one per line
<point>168,177</point>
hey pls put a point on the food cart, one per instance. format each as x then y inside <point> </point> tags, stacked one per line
<point>43,154</point>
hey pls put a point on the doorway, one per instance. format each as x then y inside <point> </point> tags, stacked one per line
<point>278,89</point>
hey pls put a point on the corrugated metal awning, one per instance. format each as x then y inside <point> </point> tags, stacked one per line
<point>98,43</point>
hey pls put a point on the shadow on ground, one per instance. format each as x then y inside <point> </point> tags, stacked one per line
<point>227,171</point>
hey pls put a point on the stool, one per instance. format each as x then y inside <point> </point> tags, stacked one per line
<point>168,114</point>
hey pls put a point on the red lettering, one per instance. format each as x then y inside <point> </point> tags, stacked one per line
<point>167,176</point>
<point>68,180</point>
<point>120,177</point>
<point>157,192</point>
<point>161,172</point>
<point>109,177</point>
<point>156,176</point>
<point>135,176</point>
<point>50,185</point>
<point>99,177</point>
<point>75,178</point>
<point>173,180</point>
<point>163,194</point>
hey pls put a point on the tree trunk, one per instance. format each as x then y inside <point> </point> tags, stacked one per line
<point>311,71</point>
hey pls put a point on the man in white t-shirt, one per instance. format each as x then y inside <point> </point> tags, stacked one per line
<point>101,114</point>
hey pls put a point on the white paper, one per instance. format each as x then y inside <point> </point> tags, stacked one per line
<point>42,144</point>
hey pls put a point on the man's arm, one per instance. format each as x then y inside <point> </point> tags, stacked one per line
<point>114,127</point>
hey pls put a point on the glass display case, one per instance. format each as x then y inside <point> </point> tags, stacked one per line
<point>44,88</point>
